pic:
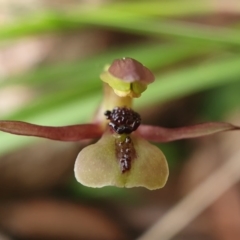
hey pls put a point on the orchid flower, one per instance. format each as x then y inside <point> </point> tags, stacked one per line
<point>122,156</point>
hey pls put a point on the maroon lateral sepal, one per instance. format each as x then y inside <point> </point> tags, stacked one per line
<point>161,134</point>
<point>63,133</point>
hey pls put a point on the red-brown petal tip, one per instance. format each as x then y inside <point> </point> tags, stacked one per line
<point>130,70</point>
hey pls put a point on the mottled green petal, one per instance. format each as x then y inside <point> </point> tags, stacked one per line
<point>114,82</point>
<point>138,88</point>
<point>97,165</point>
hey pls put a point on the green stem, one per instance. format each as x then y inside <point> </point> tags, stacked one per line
<point>111,100</point>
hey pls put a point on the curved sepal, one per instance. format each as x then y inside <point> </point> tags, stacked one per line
<point>65,133</point>
<point>98,166</point>
<point>160,134</point>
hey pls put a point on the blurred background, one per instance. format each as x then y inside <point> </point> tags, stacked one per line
<point>51,55</point>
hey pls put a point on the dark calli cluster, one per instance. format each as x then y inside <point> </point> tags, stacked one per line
<point>123,120</point>
<point>125,153</point>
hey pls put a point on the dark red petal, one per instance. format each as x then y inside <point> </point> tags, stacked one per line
<point>66,133</point>
<point>160,134</point>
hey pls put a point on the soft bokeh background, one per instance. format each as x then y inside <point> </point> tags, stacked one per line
<point>51,54</point>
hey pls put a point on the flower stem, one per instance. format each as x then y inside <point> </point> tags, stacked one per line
<point>111,100</point>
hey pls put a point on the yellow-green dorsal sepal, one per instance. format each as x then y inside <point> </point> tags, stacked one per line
<point>127,77</point>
